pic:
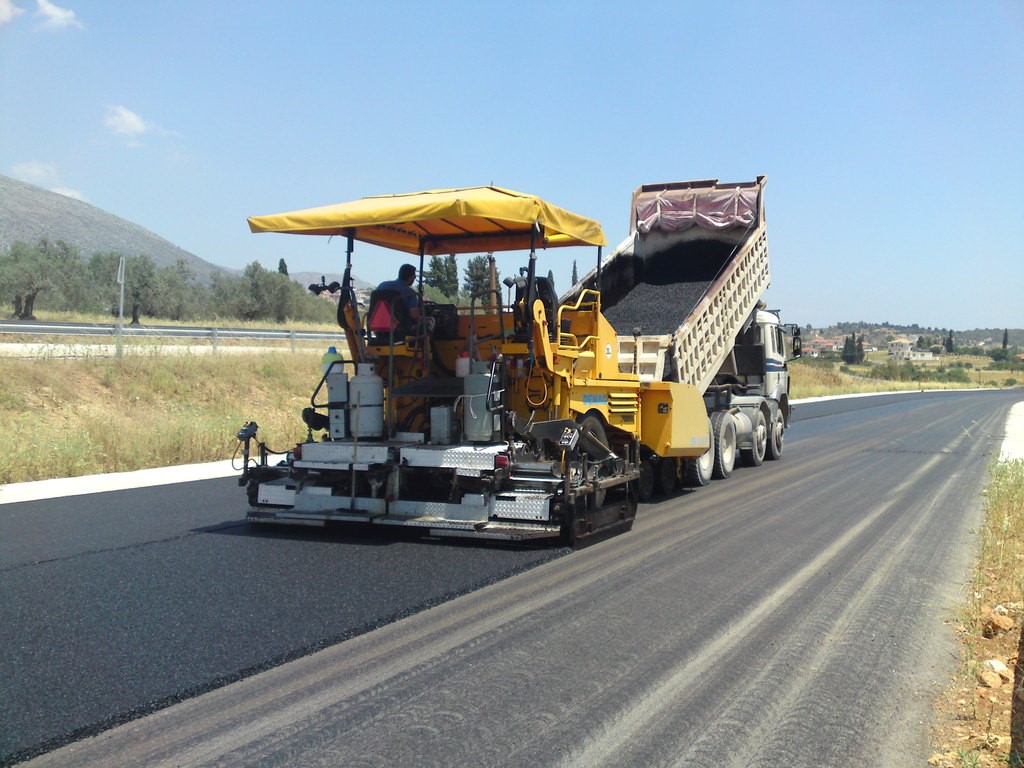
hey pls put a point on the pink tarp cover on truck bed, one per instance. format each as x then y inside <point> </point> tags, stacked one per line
<point>675,210</point>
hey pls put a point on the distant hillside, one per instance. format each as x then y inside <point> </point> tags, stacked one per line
<point>878,333</point>
<point>29,213</point>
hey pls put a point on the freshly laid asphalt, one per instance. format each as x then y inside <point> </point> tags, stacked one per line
<point>116,604</point>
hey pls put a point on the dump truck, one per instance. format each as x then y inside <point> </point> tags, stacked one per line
<point>528,417</point>
<point>684,291</point>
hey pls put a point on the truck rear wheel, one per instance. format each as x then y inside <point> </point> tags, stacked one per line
<point>754,456</point>
<point>666,478</point>
<point>697,472</point>
<point>723,427</point>
<point>776,437</point>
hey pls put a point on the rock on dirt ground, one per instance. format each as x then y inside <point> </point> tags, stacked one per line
<point>980,719</point>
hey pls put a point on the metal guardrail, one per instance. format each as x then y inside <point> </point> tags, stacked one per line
<point>45,328</point>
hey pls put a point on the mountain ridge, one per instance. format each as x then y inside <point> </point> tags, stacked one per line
<point>29,213</point>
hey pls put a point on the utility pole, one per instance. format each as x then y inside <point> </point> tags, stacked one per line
<point>120,307</point>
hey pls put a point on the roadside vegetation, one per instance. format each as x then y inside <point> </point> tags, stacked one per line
<point>65,418</point>
<point>977,358</point>
<point>816,377</point>
<point>812,377</point>
<point>981,714</point>
<point>974,370</point>
<point>53,280</point>
<point>54,276</point>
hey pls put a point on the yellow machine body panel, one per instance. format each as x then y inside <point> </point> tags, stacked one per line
<point>675,421</point>
<point>617,401</point>
<point>587,339</point>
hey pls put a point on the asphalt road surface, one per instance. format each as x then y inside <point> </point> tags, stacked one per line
<point>791,615</point>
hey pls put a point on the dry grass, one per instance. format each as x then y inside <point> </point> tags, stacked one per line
<point>64,418</point>
<point>815,380</point>
<point>976,367</point>
<point>1002,545</point>
<point>980,723</point>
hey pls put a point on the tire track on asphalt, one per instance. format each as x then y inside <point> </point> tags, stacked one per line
<point>782,713</point>
<point>625,726</point>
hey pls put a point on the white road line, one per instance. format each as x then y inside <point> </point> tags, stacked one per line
<point>1013,442</point>
<point>115,481</point>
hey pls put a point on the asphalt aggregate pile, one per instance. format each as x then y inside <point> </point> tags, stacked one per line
<point>655,310</point>
<point>654,295</point>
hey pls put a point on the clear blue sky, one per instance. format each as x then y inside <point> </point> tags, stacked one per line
<point>892,133</point>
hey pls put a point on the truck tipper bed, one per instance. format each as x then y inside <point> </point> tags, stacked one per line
<point>684,283</point>
<point>683,293</point>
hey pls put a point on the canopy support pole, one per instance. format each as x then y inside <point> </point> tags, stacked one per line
<point>424,347</point>
<point>348,307</point>
<point>419,274</point>
<point>531,290</point>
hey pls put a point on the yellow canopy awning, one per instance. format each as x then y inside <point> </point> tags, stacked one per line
<point>442,221</point>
